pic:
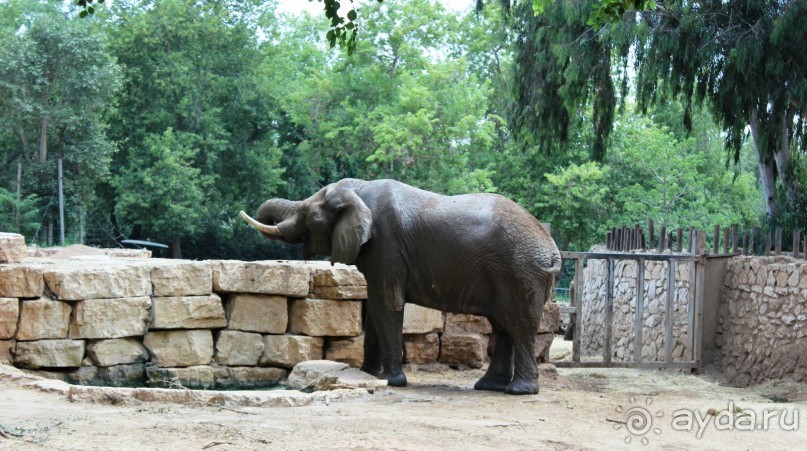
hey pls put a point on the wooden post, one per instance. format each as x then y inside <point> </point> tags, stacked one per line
<point>796,242</point>
<point>678,244</point>
<point>662,239</point>
<point>745,243</point>
<point>609,314</point>
<point>578,309</point>
<point>735,239</point>
<point>778,243</point>
<point>767,244</point>
<point>650,243</point>
<point>697,324</point>
<point>638,324</point>
<point>716,239</point>
<point>668,318</point>
<point>726,245</point>
<point>755,241</point>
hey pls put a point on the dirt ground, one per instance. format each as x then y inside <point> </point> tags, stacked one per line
<point>578,409</point>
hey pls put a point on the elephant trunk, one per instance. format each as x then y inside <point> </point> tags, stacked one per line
<point>285,213</point>
<point>274,211</point>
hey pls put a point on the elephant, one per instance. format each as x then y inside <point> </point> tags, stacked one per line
<point>479,254</point>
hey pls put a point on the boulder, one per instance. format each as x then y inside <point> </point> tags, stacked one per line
<point>21,281</point>
<point>464,350</point>
<point>261,313</point>
<point>319,375</point>
<point>43,318</point>
<point>49,354</point>
<point>182,278</point>
<point>12,247</point>
<point>9,314</point>
<point>234,348</point>
<point>180,348</point>
<point>421,348</point>
<point>247,377</point>
<point>338,282</point>
<point>116,351</point>
<point>110,318</point>
<point>421,320</point>
<point>269,277</point>
<point>7,350</point>
<point>288,350</point>
<point>458,323</point>
<point>325,317</point>
<point>133,375</point>
<point>188,312</point>
<point>348,350</point>
<point>99,282</point>
<point>550,318</point>
<point>194,377</point>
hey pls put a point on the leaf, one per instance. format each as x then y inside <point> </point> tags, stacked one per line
<point>351,14</point>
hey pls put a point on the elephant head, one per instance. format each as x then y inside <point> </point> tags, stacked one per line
<point>334,221</point>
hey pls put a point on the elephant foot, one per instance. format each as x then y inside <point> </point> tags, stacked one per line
<point>394,380</point>
<point>522,387</point>
<point>491,384</point>
<point>372,369</point>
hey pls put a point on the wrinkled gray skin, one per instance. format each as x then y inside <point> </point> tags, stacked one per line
<point>480,254</point>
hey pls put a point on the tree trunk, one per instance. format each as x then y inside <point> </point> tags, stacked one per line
<point>767,174</point>
<point>784,160</point>
<point>176,249</point>
<point>43,140</point>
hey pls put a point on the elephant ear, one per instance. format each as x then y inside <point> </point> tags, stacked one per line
<point>353,226</point>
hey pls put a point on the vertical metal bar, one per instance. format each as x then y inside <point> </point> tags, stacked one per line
<point>609,314</point>
<point>578,309</point>
<point>639,320</point>
<point>669,320</point>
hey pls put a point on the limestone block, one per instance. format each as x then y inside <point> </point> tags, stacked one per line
<point>9,314</point>
<point>12,247</point>
<point>235,348</point>
<point>99,282</point>
<point>184,278</point>
<point>49,354</point>
<point>321,375</point>
<point>464,350</point>
<point>116,351</point>
<point>43,318</point>
<point>346,350</point>
<point>258,313</point>
<point>110,318</point>
<point>181,348</point>
<point>325,317</point>
<point>338,282</point>
<point>247,377</point>
<point>188,312</point>
<point>7,350</point>
<point>132,375</point>
<point>421,348</point>
<point>289,350</point>
<point>267,277</point>
<point>550,318</point>
<point>20,281</point>
<point>193,377</point>
<point>457,323</point>
<point>422,320</point>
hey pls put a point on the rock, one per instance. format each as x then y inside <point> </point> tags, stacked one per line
<point>547,370</point>
<point>188,312</point>
<point>116,351</point>
<point>133,375</point>
<point>9,314</point>
<point>43,319</point>
<point>289,350</point>
<point>182,278</point>
<point>337,276</point>
<point>543,342</point>
<point>180,348</point>
<point>458,323</point>
<point>341,292</point>
<point>319,375</point>
<point>236,348</point>
<point>421,348</point>
<point>12,247</point>
<point>49,354</point>
<point>464,350</point>
<point>193,377</point>
<point>99,282</point>
<point>422,320</point>
<point>346,350</point>
<point>261,277</point>
<point>550,318</point>
<point>110,318</point>
<point>20,281</point>
<point>325,317</point>
<point>7,350</point>
<point>229,378</point>
<point>258,313</point>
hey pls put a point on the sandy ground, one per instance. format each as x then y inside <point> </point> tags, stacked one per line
<point>578,409</point>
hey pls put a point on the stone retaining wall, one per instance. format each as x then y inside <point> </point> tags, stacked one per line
<point>207,324</point>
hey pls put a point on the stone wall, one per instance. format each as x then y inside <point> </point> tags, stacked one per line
<point>207,324</point>
<point>761,329</point>
<point>624,309</point>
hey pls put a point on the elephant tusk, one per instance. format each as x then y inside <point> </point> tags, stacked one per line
<point>271,230</point>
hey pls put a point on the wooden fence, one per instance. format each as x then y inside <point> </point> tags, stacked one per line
<point>729,240</point>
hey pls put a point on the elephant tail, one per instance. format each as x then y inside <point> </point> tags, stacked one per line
<point>549,261</point>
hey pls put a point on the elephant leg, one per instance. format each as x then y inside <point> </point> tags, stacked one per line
<point>372,351</point>
<point>389,330</point>
<point>500,371</point>
<point>525,377</point>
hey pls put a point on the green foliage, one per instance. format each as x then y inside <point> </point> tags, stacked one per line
<point>27,209</point>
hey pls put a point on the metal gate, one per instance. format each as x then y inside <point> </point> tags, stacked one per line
<point>694,315</point>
